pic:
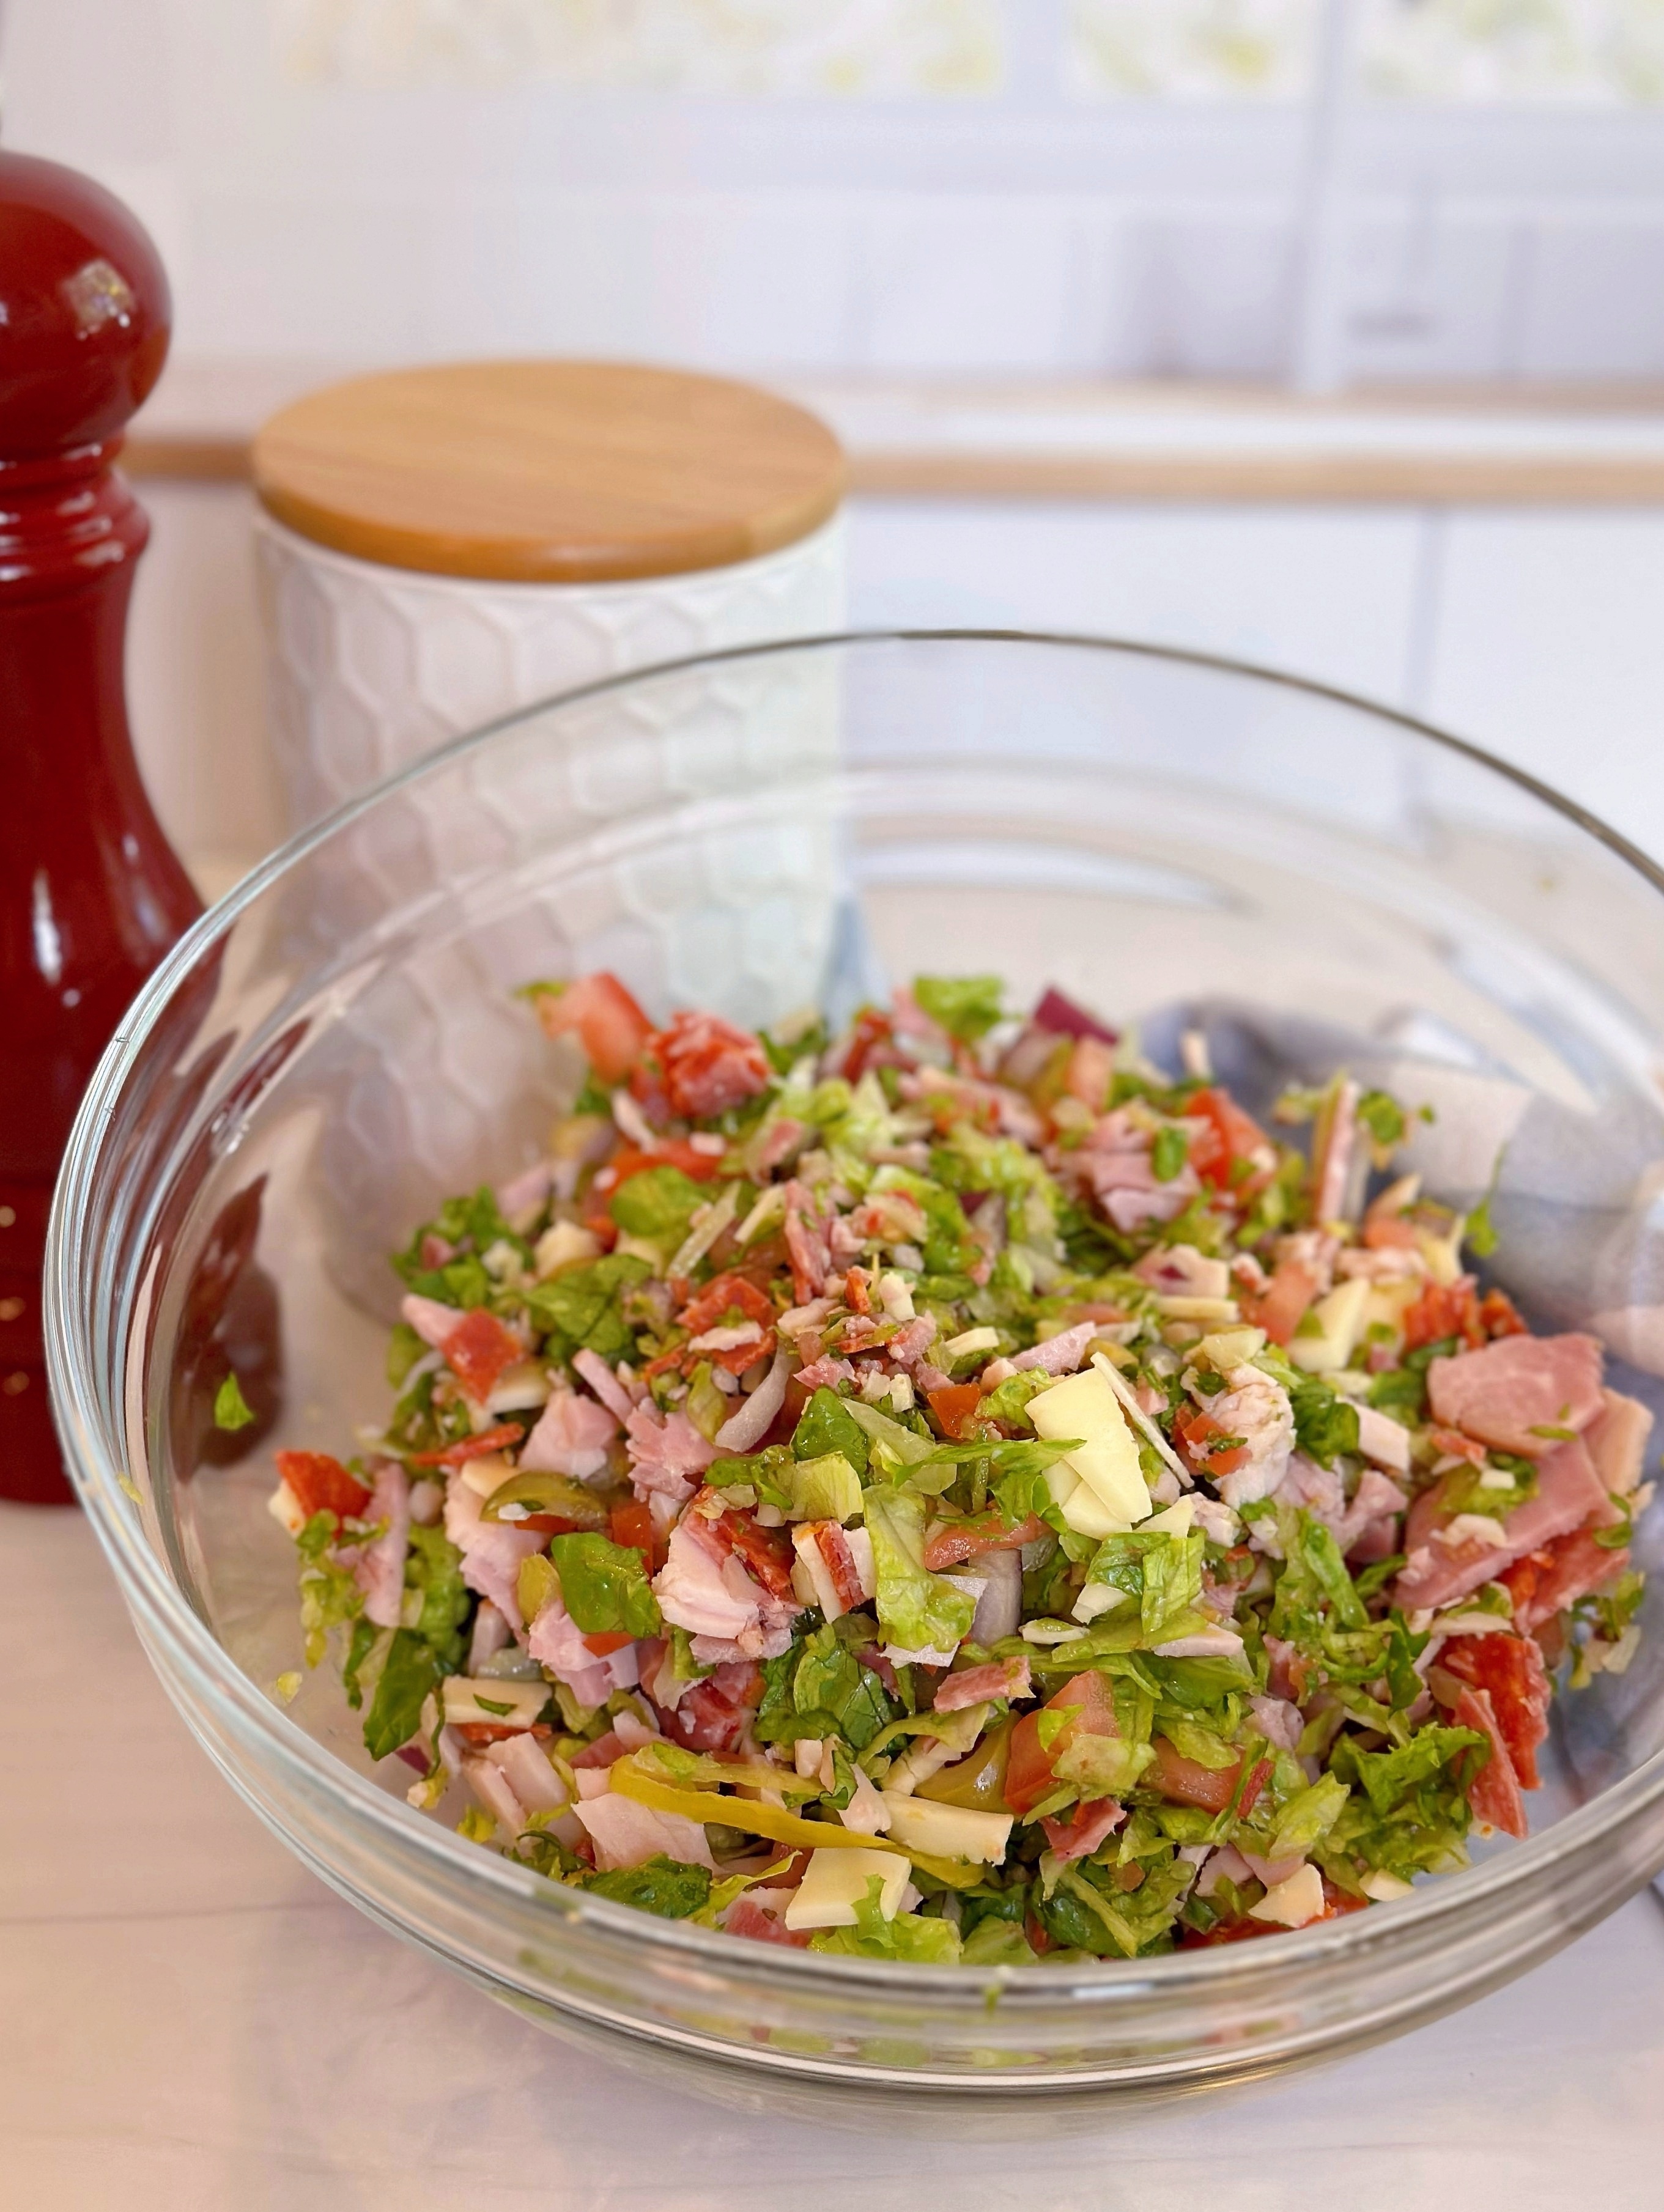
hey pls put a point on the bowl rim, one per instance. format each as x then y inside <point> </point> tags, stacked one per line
<point>98,1477</point>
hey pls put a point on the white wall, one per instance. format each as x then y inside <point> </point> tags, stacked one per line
<point>1010,219</point>
<point>1536,634</point>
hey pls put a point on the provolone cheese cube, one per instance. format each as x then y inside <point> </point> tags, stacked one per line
<point>1084,1406</point>
<point>836,1880</point>
<point>1339,1323</point>
<point>947,1832</point>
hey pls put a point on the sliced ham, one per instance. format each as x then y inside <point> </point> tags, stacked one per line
<point>571,1437</point>
<point>557,1642</point>
<point>491,1634</point>
<point>1569,1494</point>
<point>493,1551</point>
<point>1086,1827</point>
<point>627,1834</point>
<point>380,1573</point>
<point>707,1591</point>
<point>592,1368</point>
<point>1061,1354</point>
<point>1494,1792</point>
<point>825,1373</point>
<point>665,1452</point>
<point>910,1344</point>
<point>432,1321</point>
<point>1376,1498</point>
<point>1000,1678</point>
<point>1516,1385</point>
<point>1180,1270</point>
<point>533,1781</point>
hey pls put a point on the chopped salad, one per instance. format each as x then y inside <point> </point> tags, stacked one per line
<point>950,1491</point>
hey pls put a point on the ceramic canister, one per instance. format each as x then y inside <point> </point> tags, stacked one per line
<point>440,547</point>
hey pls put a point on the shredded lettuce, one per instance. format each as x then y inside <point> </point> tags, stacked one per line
<point>917,1610</point>
<point>966,1006</point>
<point>409,1674</point>
<point>658,1203</point>
<point>605,1585</point>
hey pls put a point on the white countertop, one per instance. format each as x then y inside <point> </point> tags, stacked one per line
<point>191,2022</point>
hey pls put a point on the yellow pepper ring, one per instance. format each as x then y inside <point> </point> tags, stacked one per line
<point>776,1823</point>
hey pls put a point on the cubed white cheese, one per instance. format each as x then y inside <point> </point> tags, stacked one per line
<point>1384,1886</point>
<point>560,1245</point>
<point>947,1832</point>
<point>486,1473</point>
<point>1292,1903</point>
<point>1084,1405</point>
<point>1339,1323</point>
<point>970,1340</point>
<point>469,1700</point>
<point>1184,1306</point>
<point>836,1880</point>
<point>286,1509</point>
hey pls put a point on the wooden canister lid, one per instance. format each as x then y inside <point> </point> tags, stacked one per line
<point>548,471</point>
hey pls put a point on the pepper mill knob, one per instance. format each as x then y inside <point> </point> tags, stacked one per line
<point>91,896</point>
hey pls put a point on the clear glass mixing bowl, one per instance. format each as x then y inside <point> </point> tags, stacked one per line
<point>336,1046</point>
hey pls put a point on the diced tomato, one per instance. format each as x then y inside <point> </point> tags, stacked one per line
<point>1187,1782</point>
<point>1443,1309</point>
<point>1510,1667</point>
<point>950,1542</point>
<point>1500,1316</point>
<point>954,1405</point>
<point>1030,1770</point>
<point>1280,1306</point>
<point>631,1525</point>
<point>674,1152</point>
<point>609,1025</point>
<point>321,1485</point>
<point>1224,1135</point>
<point>873,1030</point>
<point>856,1296</point>
<point>479,1351</point>
<point>1196,1430</point>
<point>501,1438</point>
<point>607,1640</point>
<point>496,1731</point>
<point>707,1064</point>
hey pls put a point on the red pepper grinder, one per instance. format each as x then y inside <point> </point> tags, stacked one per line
<point>91,894</point>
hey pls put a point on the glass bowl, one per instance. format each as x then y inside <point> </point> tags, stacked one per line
<point>336,1046</point>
